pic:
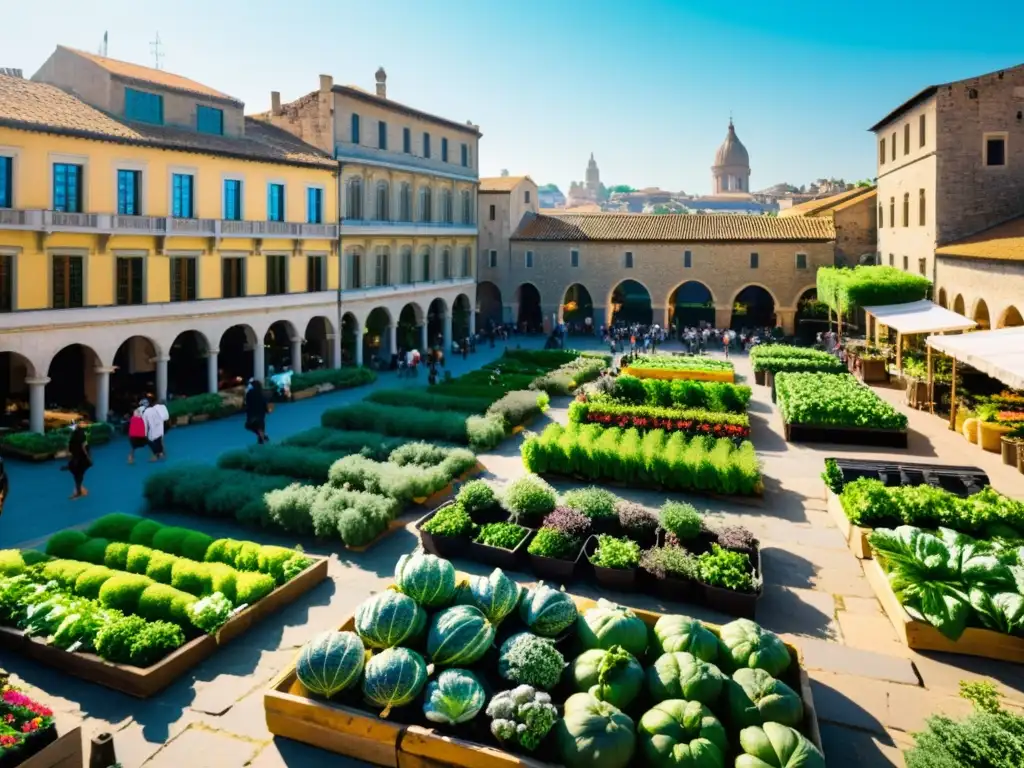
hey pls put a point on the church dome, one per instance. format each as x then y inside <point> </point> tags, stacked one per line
<point>732,152</point>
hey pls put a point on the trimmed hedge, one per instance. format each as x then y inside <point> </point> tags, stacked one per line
<point>645,417</point>
<point>657,459</point>
<point>285,460</point>
<point>197,489</point>
<point>719,396</point>
<point>843,289</point>
<point>833,400</point>
<point>564,379</point>
<point>209,404</point>
<point>403,482</point>
<point>428,401</point>
<point>340,378</point>
<point>517,408</point>
<point>55,440</point>
<point>328,512</point>
<point>779,358</point>
<point>680,363</point>
<point>480,432</point>
<point>372,444</point>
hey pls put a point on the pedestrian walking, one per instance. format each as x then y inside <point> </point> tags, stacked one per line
<point>153,417</point>
<point>137,431</point>
<point>256,411</point>
<point>79,459</point>
<point>4,484</point>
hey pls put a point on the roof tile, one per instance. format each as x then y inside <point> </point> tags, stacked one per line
<point>823,205</point>
<point>33,106</point>
<point>1004,242</point>
<point>500,183</point>
<point>673,228</point>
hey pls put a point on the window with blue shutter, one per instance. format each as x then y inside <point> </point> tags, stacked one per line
<point>444,150</point>
<point>232,200</point>
<point>67,188</point>
<point>315,205</point>
<point>129,184</point>
<point>6,182</point>
<point>382,134</point>
<point>355,128</point>
<point>426,145</point>
<point>275,202</point>
<point>465,155</point>
<point>181,196</point>
<point>210,120</point>
<point>143,107</point>
<point>687,259</point>
<point>407,141</point>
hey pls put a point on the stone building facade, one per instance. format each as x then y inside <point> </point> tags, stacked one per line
<point>853,214</point>
<point>551,258</point>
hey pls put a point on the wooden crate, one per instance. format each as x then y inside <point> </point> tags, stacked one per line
<point>856,537</point>
<point>65,752</point>
<point>922,636</point>
<point>145,682</point>
<point>293,713</point>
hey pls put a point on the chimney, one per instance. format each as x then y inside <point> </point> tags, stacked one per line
<point>326,83</point>
<point>382,82</point>
<point>275,102</point>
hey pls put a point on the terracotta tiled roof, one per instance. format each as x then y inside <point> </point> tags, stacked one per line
<point>823,205</point>
<point>500,183</point>
<point>673,228</point>
<point>129,71</point>
<point>870,196</point>
<point>33,106</point>
<point>385,103</point>
<point>1004,242</point>
<point>585,208</point>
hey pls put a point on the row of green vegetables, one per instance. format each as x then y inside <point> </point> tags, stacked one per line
<point>834,400</point>
<point>655,458</point>
<point>782,358</point>
<point>133,590</point>
<point>597,688</point>
<point>718,396</point>
<point>680,363</point>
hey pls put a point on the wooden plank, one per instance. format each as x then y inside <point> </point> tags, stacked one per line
<point>65,752</point>
<point>856,537</point>
<point>922,636</point>
<point>431,748</point>
<point>284,595</point>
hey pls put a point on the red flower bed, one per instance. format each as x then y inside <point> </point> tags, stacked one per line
<point>1011,416</point>
<point>689,426</point>
<point>21,719</point>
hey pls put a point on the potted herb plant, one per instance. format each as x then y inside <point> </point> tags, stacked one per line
<point>683,526</point>
<point>597,504</point>
<point>614,560</point>
<point>552,554</point>
<point>730,582</point>
<point>528,499</point>
<point>672,572</point>
<point>478,498</point>
<point>637,523</point>
<point>446,531</point>
<point>499,544</point>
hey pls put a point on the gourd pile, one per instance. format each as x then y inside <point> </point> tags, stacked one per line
<point>489,660</point>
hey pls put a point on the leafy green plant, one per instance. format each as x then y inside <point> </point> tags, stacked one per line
<point>691,421</point>
<point>780,358</point>
<point>613,552</point>
<point>530,660</point>
<point>844,288</point>
<point>528,498</point>
<point>477,496</point>
<point>676,562</point>
<point>518,407</point>
<point>452,521</point>
<point>503,535</point>
<point>681,519</point>
<point>551,542</point>
<point>566,378</point>
<point>428,400</point>
<point>211,612</point>
<point>373,445</point>
<point>833,476</point>
<point>339,378</point>
<point>680,363</point>
<point>594,502</point>
<point>839,400</point>
<point>570,522</point>
<point>725,568</point>
<point>281,460</point>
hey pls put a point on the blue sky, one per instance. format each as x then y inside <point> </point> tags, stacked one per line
<point>647,85</point>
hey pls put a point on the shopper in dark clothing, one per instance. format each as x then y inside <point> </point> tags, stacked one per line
<point>4,483</point>
<point>256,411</point>
<point>79,461</point>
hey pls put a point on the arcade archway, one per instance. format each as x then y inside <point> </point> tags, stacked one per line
<point>134,375</point>
<point>691,304</point>
<point>530,317</point>
<point>577,307</point>
<point>488,306</point>
<point>631,303</point>
<point>753,307</point>
<point>375,337</point>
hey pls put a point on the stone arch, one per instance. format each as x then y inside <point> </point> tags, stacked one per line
<point>980,315</point>
<point>529,312</point>
<point>186,371</point>
<point>753,306</point>
<point>316,343</point>
<point>351,337</point>
<point>410,319</point>
<point>809,291</point>
<point>236,354</point>
<point>1010,318</point>
<point>943,301</point>
<point>376,342</point>
<point>277,344</point>
<point>630,301</point>
<point>134,375</point>
<point>690,303</point>
<point>958,304</point>
<point>15,369</point>
<point>461,307</point>
<point>763,287</point>
<point>437,311</point>
<point>489,311</point>
<point>72,384</point>
<point>577,305</point>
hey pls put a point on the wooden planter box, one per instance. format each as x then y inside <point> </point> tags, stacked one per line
<point>65,752</point>
<point>856,537</point>
<point>873,371</point>
<point>442,546</point>
<point>922,636</point>
<point>759,377</point>
<point>917,393</point>
<point>145,682</point>
<point>807,433</point>
<point>550,569</point>
<point>499,557</point>
<point>305,394</point>
<point>292,712</point>
<point>621,579</point>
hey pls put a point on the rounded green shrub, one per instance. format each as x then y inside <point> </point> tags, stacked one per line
<point>223,579</point>
<point>271,561</point>
<point>123,591</point>
<point>11,562</point>
<point>160,566</point>
<point>34,556</point>
<point>248,557</point>
<point>64,543</point>
<point>138,558</point>
<point>251,587</point>
<point>194,546</point>
<point>170,539</point>
<point>90,581</point>
<point>529,498</point>
<point>681,519</point>
<point>192,577</point>
<point>91,551</point>
<point>223,551</point>
<point>159,602</point>
<point>144,532</point>
<point>477,496</point>
<point>593,502</point>
<point>116,555</point>
<point>64,572</point>
<point>116,526</point>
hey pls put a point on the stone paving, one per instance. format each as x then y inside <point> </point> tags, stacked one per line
<point>871,692</point>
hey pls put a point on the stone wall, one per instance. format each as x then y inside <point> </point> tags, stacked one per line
<point>988,290</point>
<point>856,230</point>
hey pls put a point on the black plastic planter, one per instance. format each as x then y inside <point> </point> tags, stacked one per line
<point>676,589</point>
<point>621,579</point>
<point>552,569</point>
<point>742,604</point>
<point>442,546</point>
<point>499,557</point>
<point>494,514</point>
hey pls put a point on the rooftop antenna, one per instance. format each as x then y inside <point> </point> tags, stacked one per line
<point>155,48</point>
<point>103,47</point>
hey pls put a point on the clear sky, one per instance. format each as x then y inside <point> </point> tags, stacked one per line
<point>646,85</point>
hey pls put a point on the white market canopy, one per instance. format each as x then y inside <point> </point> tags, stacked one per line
<point>922,316</point>
<point>1000,354</point>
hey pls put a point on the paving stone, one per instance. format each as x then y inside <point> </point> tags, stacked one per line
<point>848,700</point>
<point>785,610</point>
<point>217,696</point>
<point>850,748</point>
<point>909,706</point>
<point>833,571</point>
<point>861,606</point>
<point>198,747</point>
<point>285,753</point>
<point>871,633</point>
<point>944,671</point>
<point>245,718</point>
<point>843,660</point>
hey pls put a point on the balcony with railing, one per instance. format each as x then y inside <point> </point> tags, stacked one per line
<point>406,161</point>
<point>355,227</point>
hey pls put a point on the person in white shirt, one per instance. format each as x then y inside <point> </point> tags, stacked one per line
<point>153,416</point>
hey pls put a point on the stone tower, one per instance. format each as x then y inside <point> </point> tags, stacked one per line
<point>731,172</point>
<point>593,178</point>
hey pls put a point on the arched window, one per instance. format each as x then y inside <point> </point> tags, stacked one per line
<point>382,271</point>
<point>354,270</point>
<point>906,209</point>
<point>467,255</point>
<point>446,264</point>
<point>425,271</point>
<point>425,205</point>
<point>405,203</point>
<point>354,199</point>
<point>406,265</point>
<point>467,207</point>
<point>447,214</point>
<point>921,208</point>
<point>383,206</point>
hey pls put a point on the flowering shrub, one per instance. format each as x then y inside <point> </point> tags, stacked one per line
<point>569,521</point>
<point>20,719</point>
<point>644,417</point>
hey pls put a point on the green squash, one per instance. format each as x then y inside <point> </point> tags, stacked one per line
<point>458,636</point>
<point>613,675</point>
<point>388,619</point>
<point>456,696</point>
<point>393,678</point>
<point>683,676</point>
<point>681,734</point>
<point>427,579</point>
<point>331,662</point>
<point>608,624</point>
<point>546,611</point>
<point>496,595</point>
<point>755,697</point>
<point>746,644</point>
<point>594,734</point>
<point>681,633</point>
<point>777,746</point>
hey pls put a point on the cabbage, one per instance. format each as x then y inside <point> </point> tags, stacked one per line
<point>756,697</point>
<point>455,697</point>
<point>331,662</point>
<point>496,595</point>
<point>594,734</point>
<point>427,579</point>
<point>777,746</point>
<point>546,611</point>
<point>608,624</point>
<point>681,633</point>
<point>613,675</point>
<point>746,644</point>
<point>677,733</point>
<point>683,676</point>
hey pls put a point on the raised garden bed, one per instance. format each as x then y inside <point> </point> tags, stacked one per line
<point>921,636</point>
<point>962,481</point>
<point>349,729</point>
<point>872,371</point>
<point>856,537</point>
<point>145,682</point>
<point>807,433</point>
<point>62,752</point>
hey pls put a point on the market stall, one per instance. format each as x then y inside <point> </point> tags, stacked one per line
<point>915,317</point>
